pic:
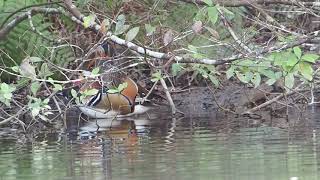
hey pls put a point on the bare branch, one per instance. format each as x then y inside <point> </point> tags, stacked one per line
<point>7,28</point>
<point>14,116</point>
<point>236,3</point>
<point>78,17</point>
<point>172,105</point>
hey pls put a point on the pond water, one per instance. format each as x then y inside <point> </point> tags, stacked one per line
<point>167,148</point>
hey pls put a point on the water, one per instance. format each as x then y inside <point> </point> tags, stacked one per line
<point>186,148</point>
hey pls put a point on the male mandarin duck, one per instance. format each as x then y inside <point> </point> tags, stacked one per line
<point>107,104</point>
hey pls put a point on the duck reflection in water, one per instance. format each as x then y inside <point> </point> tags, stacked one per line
<point>96,148</point>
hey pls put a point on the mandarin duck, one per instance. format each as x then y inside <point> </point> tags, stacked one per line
<point>107,104</point>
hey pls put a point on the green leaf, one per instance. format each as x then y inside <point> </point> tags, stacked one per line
<point>306,70</point>
<point>256,80</point>
<point>22,82</point>
<point>271,81</point>
<point>248,76</point>
<point>80,99</point>
<point>35,111</point>
<point>50,80</point>
<point>35,87</point>
<point>230,72</point>
<point>289,80</point>
<point>46,101</point>
<point>4,87</point>
<point>132,33</point>
<point>241,77</point>
<point>156,76</point>
<point>88,21</point>
<point>121,19</point>
<point>15,68</point>
<point>6,93</point>
<point>121,29</point>
<point>35,59</point>
<point>213,14</point>
<point>42,117</point>
<point>268,73</point>
<point>74,93</point>
<point>112,91</point>
<point>278,75</point>
<point>214,80</point>
<point>263,65</point>
<point>246,62</point>
<point>57,87</point>
<point>198,56</point>
<point>292,60</point>
<point>208,2</point>
<point>229,13</point>
<point>149,29</point>
<point>95,71</point>
<point>122,86</point>
<point>201,15</point>
<point>176,68</point>
<point>46,106</point>
<point>45,71</point>
<point>7,96</point>
<point>91,92</point>
<point>297,51</point>
<point>120,26</point>
<point>310,58</point>
<point>279,58</point>
<point>5,101</point>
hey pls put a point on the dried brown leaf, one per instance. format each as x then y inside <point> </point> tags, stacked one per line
<point>197,27</point>
<point>168,38</point>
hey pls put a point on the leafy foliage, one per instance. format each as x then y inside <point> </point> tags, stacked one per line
<point>6,93</point>
<point>39,107</point>
<point>284,65</point>
<point>22,41</point>
<point>156,76</point>
<point>118,89</point>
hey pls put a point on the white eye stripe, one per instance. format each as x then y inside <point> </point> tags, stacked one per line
<point>95,99</point>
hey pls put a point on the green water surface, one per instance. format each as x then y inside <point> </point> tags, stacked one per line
<point>183,149</point>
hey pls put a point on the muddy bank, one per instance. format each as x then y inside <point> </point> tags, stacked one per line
<point>231,97</point>
<point>232,100</point>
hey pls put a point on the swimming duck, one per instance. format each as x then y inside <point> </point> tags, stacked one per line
<point>110,104</point>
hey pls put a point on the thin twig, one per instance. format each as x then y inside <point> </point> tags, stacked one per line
<point>237,3</point>
<point>13,116</point>
<point>297,89</point>
<point>169,98</point>
<point>150,91</point>
<point>233,34</point>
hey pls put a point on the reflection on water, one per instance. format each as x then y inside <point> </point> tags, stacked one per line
<point>202,148</point>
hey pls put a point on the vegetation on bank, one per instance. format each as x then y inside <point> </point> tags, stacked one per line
<point>45,47</point>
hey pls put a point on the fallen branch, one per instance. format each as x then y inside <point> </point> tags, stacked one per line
<point>171,103</point>
<point>273,100</point>
<point>78,18</point>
